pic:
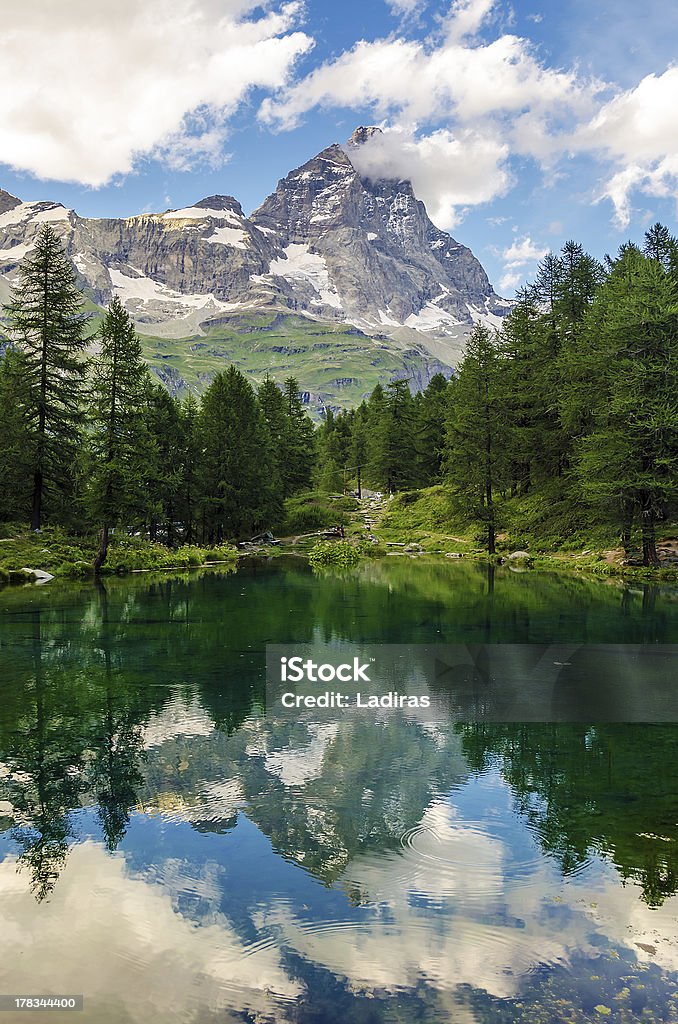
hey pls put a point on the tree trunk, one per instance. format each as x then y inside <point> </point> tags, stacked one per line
<point>103,551</point>
<point>627,522</point>
<point>650,556</point>
<point>36,515</point>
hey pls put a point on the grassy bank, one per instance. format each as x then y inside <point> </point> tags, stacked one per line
<point>63,556</point>
<point>544,524</point>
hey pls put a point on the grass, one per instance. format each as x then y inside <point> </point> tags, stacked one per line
<point>315,510</point>
<point>54,551</point>
<point>428,519</point>
<point>334,362</point>
<point>557,533</point>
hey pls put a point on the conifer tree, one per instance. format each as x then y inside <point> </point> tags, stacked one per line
<point>120,387</point>
<point>476,458</point>
<point>189,463</point>
<point>15,441</point>
<point>164,464</point>
<point>374,448</point>
<point>47,323</point>
<point>237,495</point>
<point>298,454</point>
<point>627,378</point>
<point>431,415</point>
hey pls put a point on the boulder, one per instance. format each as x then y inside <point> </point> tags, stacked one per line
<point>39,575</point>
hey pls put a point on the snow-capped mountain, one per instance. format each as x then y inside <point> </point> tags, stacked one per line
<point>328,245</point>
<point>327,242</point>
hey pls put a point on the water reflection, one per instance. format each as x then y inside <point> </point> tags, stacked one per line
<point>164,836</point>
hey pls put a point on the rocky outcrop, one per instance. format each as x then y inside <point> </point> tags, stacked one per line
<point>383,262</point>
<point>328,243</point>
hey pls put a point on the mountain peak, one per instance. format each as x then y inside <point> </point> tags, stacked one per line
<point>219,203</point>
<point>8,201</point>
<point>362,134</point>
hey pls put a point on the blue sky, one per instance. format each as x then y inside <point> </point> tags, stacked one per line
<point>520,124</point>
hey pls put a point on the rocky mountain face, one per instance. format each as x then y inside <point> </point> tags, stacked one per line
<point>382,262</point>
<point>328,245</point>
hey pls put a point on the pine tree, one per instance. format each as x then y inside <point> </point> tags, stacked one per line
<point>273,407</point>
<point>475,457</point>
<point>189,462</point>
<point>431,415</point>
<point>15,441</point>
<point>400,441</point>
<point>116,487</point>
<point>46,322</point>
<point>298,454</point>
<point>237,495</point>
<point>164,466</point>
<point>660,245</point>
<point>627,380</point>
<point>376,453</point>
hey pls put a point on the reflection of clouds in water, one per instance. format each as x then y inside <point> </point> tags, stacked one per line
<point>295,766</point>
<point>130,942</point>
<point>180,716</point>
<point>452,909</point>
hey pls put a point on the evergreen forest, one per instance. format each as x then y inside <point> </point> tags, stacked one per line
<point>574,401</point>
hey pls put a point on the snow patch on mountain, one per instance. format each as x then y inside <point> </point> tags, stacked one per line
<point>301,266</point>
<point>430,318</point>
<point>15,252</point>
<point>137,291</point>
<point>236,238</point>
<point>201,213</point>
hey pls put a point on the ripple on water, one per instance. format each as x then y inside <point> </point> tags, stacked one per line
<point>473,860</point>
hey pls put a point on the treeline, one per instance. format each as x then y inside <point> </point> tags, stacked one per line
<point>575,399</point>
<point>94,442</point>
<point>576,396</point>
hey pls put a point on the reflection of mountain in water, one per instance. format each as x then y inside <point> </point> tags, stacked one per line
<point>335,859</point>
<point>113,695</point>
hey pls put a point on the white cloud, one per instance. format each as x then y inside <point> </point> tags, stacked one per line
<point>402,7</point>
<point>106,84</point>
<point>448,171</point>
<point>453,77</point>
<point>522,252</point>
<point>152,948</point>
<point>518,257</point>
<point>467,16</point>
<point>637,129</point>
<point>460,104</point>
<point>509,281</point>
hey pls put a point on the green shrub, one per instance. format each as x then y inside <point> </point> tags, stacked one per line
<point>221,553</point>
<point>314,510</point>
<point>338,554</point>
<point>187,555</point>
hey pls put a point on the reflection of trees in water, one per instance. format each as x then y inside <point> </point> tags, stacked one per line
<point>114,774</point>
<point>97,663</point>
<point>74,734</point>
<point>46,782</point>
<point>373,784</point>
<point>584,789</point>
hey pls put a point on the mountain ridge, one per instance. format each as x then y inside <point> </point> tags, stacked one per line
<point>327,245</point>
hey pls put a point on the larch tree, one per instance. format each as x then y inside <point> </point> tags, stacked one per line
<point>476,457</point>
<point>46,323</point>
<point>628,455</point>
<point>116,441</point>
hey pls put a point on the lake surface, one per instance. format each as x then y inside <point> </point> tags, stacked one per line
<point>174,852</point>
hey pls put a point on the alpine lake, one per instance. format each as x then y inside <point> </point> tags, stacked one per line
<point>175,851</point>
